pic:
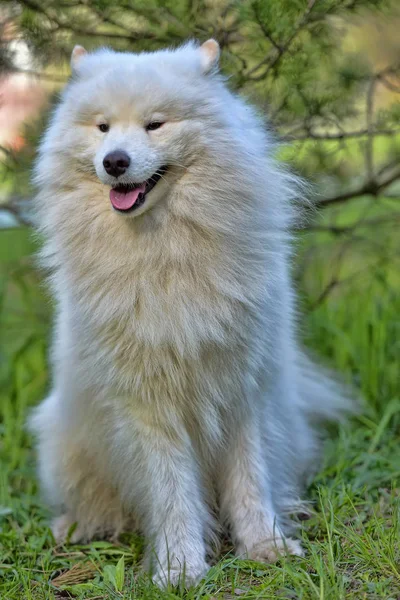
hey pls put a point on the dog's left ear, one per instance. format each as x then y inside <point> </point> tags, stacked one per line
<point>209,55</point>
<point>76,56</point>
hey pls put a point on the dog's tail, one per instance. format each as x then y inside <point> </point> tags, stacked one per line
<point>323,397</point>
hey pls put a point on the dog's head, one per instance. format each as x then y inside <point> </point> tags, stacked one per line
<point>133,123</point>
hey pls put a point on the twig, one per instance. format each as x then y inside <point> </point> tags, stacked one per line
<point>15,212</point>
<point>369,149</point>
<point>264,29</point>
<point>390,86</point>
<point>335,282</point>
<point>341,135</point>
<point>41,75</point>
<point>339,230</point>
<point>7,152</point>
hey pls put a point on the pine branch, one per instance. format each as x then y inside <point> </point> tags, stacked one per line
<point>77,30</point>
<point>283,48</point>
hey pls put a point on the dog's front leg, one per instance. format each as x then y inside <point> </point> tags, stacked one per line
<point>246,497</point>
<point>173,511</point>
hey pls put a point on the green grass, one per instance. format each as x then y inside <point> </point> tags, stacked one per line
<point>351,542</point>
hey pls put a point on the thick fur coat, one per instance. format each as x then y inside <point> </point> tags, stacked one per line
<point>180,398</point>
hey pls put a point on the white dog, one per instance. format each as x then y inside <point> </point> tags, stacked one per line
<point>180,397</point>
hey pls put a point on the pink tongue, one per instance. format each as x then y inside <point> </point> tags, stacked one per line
<point>123,201</point>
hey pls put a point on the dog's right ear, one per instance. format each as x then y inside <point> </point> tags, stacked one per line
<point>209,52</point>
<point>76,56</point>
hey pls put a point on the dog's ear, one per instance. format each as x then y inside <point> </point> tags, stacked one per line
<point>209,55</point>
<point>76,56</point>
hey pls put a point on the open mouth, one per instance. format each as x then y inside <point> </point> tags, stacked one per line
<point>127,197</point>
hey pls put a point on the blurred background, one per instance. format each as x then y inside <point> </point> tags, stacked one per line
<point>326,76</point>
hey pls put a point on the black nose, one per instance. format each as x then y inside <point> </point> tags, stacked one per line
<point>116,163</point>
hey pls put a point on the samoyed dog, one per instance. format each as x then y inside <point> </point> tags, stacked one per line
<point>181,402</point>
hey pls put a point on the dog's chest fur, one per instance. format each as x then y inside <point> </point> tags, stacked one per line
<point>163,312</point>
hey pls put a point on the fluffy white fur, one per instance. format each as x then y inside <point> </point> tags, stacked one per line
<point>180,397</point>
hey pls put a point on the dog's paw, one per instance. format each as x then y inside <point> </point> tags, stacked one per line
<point>186,577</point>
<point>270,550</point>
<point>65,530</point>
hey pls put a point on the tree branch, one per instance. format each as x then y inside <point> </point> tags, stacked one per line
<point>371,188</point>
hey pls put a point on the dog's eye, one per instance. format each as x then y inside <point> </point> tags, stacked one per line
<point>104,127</point>
<point>154,125</point>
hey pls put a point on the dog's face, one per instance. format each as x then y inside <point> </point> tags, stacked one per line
<point>135,121</point>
